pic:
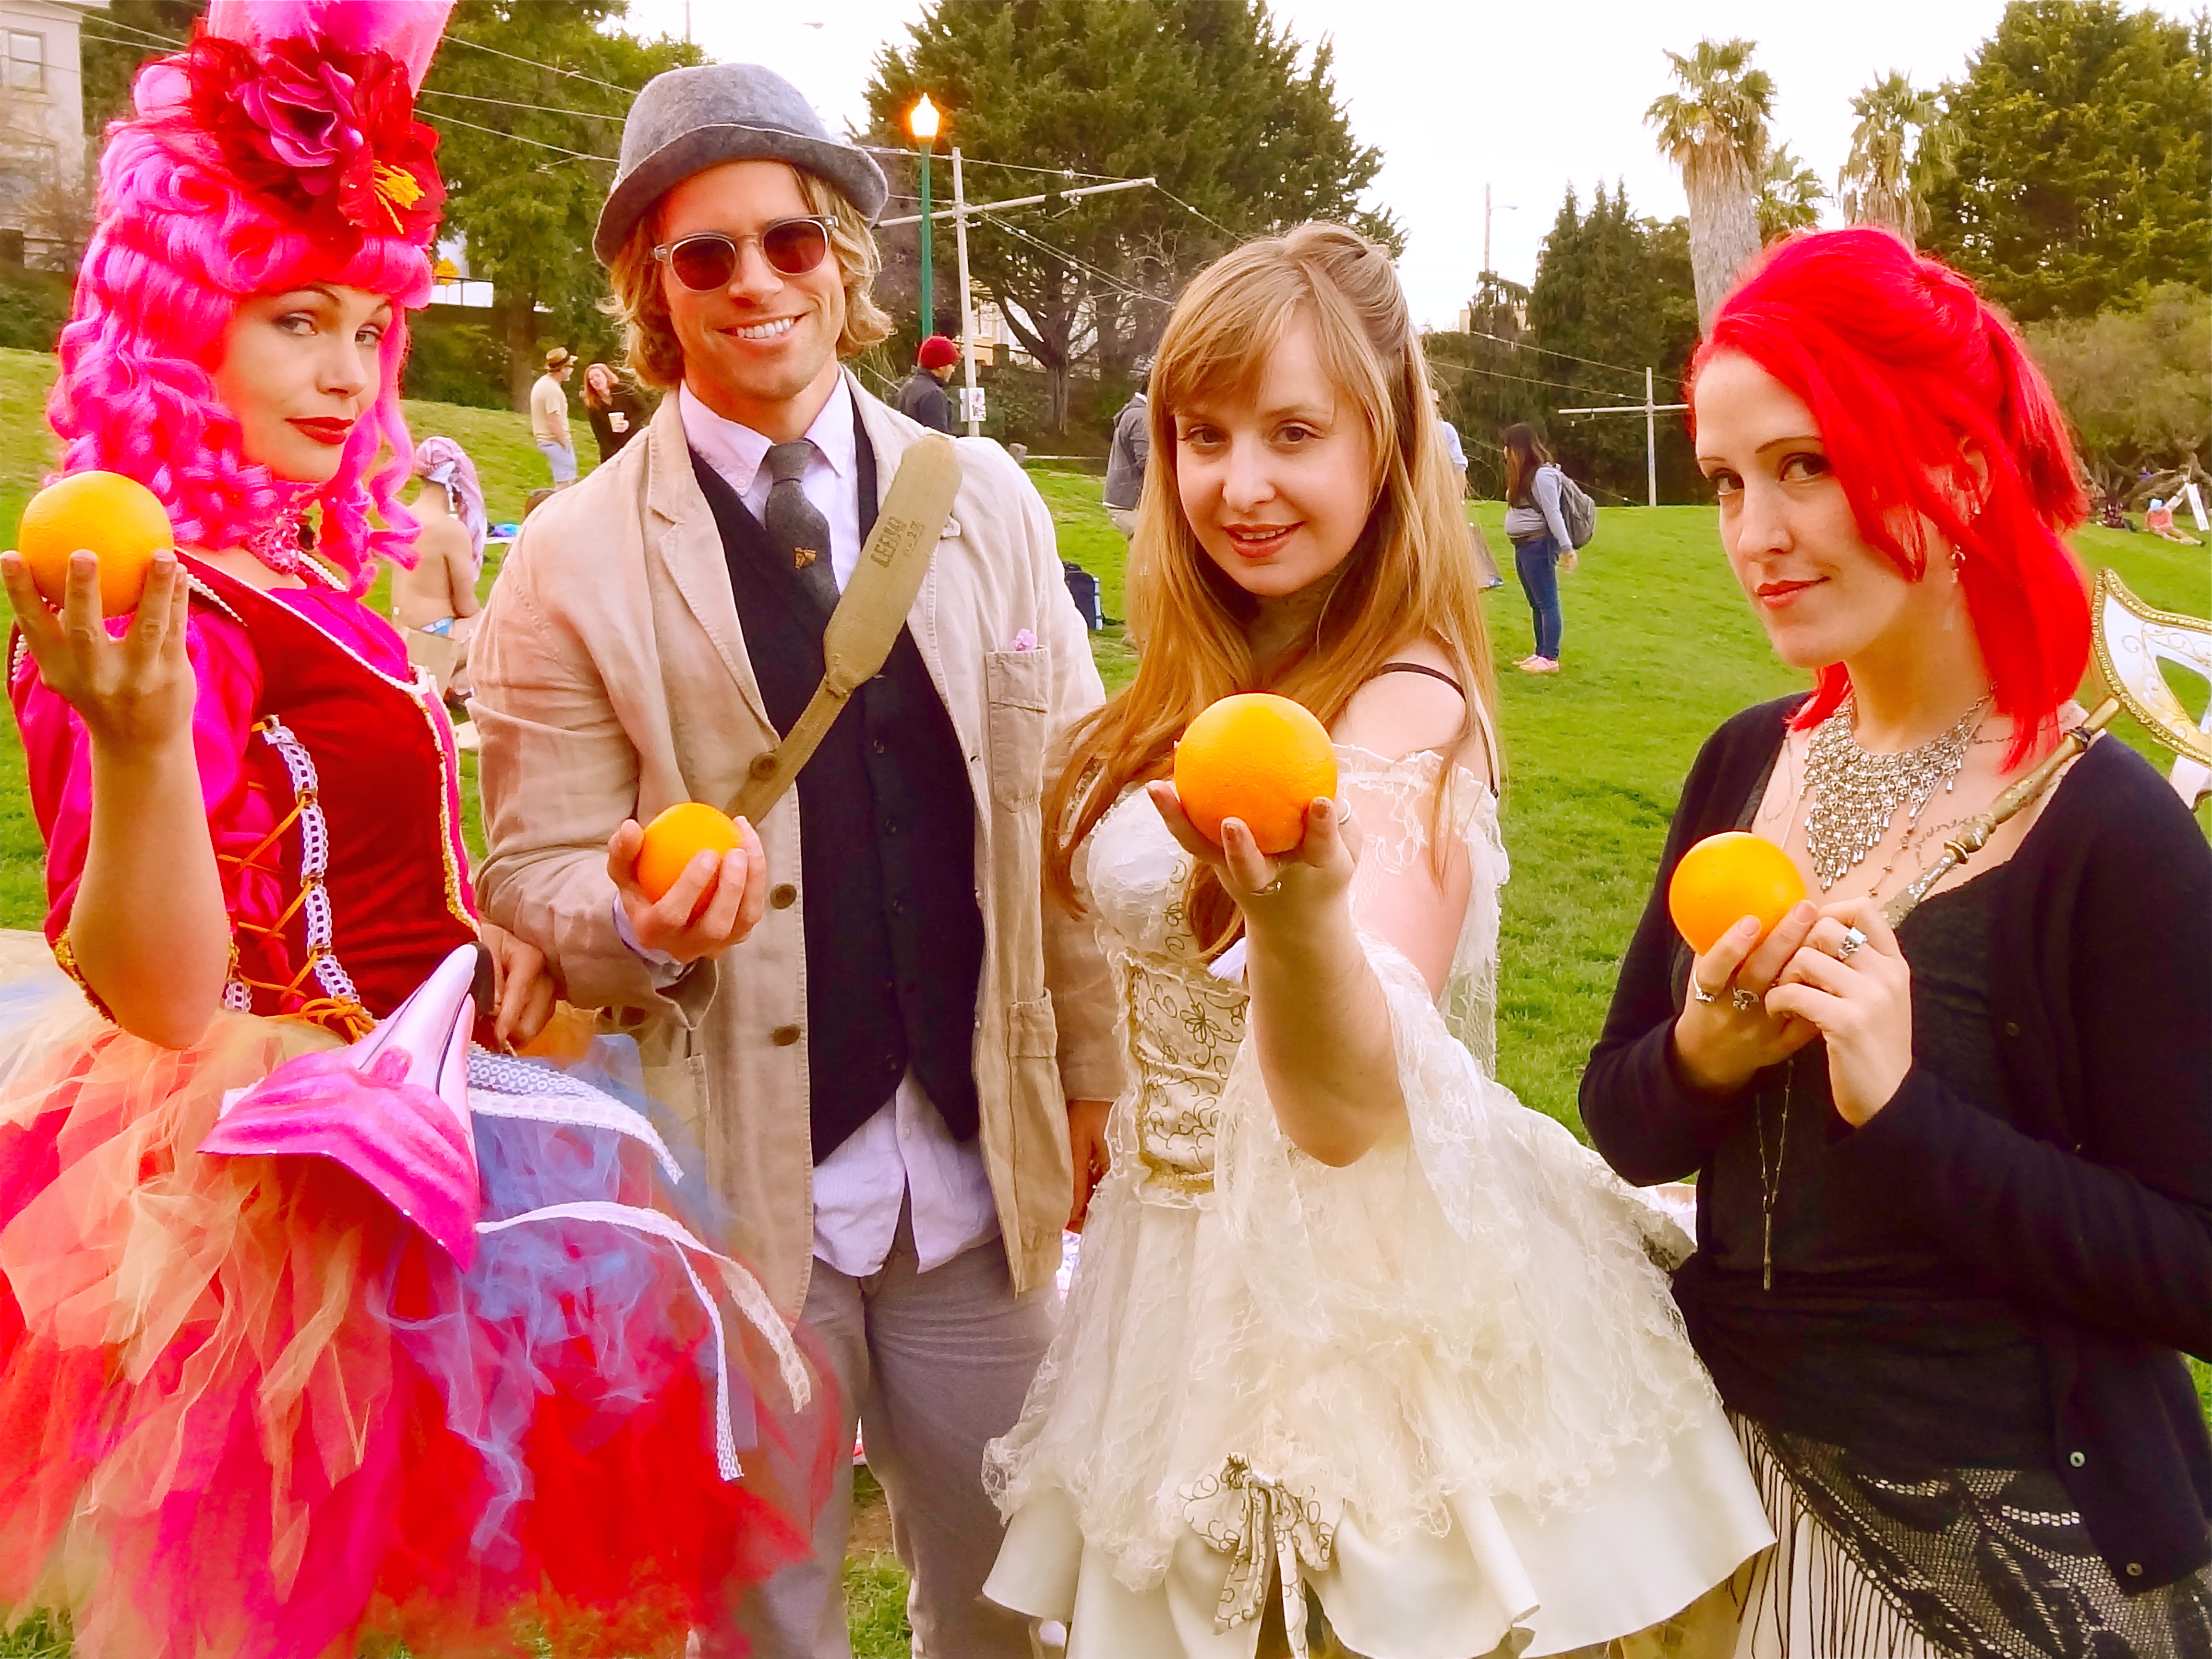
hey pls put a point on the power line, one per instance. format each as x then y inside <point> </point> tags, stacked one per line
<point>1188,207</point>
<point>511,103</point>
<point>1525,379</point>
<point>538,143</point>
<point>551,69</point>
<point>1547,351</point>
<point>1107,277</point>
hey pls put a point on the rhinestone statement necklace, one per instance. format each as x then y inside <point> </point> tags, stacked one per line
<point>1854,794</point>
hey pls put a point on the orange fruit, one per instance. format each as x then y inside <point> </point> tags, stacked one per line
<point>1726,878</point>
<point>1259,757</point>
<point>117,518</point>
<point>676,837</point>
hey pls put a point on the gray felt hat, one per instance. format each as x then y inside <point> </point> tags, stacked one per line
<point>690,120</point>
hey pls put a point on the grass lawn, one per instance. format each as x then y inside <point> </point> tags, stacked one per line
<point>1658,649</point>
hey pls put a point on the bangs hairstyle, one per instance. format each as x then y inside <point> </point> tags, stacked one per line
<point>1411,574</point>
<point>1911,376</point>
<point>654,353</point>
<point>178,245</point>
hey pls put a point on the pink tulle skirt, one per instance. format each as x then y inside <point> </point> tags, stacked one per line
<point>247,1407</point>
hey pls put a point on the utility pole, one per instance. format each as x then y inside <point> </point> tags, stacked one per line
<point>1650,411</point>
<point>973,413</point>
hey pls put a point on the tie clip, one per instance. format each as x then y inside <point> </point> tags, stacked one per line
<point>802,557</point>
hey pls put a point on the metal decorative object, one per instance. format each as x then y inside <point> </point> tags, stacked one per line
<point>2132,639</point>
<point>1856,795</point>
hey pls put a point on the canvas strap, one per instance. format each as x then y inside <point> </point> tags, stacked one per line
<point>869,615</point>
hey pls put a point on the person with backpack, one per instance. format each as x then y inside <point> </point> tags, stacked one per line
<point>1536,506</point>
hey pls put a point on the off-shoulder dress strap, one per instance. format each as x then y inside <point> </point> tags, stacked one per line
<point>1420,668</point>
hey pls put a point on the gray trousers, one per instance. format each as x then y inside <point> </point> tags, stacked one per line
<point>931,1366</point>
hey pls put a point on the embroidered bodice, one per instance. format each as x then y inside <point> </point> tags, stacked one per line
<point>333,793</point>
<point>1184,1021</point>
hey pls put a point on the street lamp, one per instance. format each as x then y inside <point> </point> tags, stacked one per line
<point>922,122</point>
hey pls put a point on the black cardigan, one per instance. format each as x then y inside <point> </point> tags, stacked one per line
<point>2098,1217</point>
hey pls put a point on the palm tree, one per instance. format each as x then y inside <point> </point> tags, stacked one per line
<point>1715,130</point>
<point>1789,195</point>
<point>1899,149</point>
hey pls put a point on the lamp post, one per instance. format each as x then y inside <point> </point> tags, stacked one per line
<point>922,122</point>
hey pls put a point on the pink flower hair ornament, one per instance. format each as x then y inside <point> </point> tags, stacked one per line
<point>258,162</point>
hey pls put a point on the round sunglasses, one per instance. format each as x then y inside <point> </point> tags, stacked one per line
<point>708,260</point>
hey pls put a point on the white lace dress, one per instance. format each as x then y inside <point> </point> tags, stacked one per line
<point>1445,1388</point>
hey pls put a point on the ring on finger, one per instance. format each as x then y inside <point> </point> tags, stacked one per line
<point>1746,1002</point>
<point>1698,992</point>
<point>1852,939</point>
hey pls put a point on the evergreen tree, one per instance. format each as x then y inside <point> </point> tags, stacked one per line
<point>528,97</point>
<point>2084,166</point>
<point>1613,293</point>
<point>1213,98</point>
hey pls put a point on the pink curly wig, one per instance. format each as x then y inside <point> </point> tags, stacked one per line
<point>178,242</point>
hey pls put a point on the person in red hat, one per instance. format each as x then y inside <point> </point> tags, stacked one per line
<point>923,396</point>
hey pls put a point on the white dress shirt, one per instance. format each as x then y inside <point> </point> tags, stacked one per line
<point>904,1151</point>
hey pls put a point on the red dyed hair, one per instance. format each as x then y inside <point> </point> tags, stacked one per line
<point>1907,370</point>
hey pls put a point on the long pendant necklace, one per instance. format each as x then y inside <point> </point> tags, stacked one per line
<point>1770,1182</point>
<point>1857,794</point>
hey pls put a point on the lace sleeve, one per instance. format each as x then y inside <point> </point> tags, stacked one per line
<point>1435,908</point>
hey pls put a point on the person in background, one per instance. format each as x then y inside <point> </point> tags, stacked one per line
<point>2158,519</point>
<point>438,596</point>
<point>1954,1173</point>
<point>1541,547</point>
<point>612,405</point>
<point>922,396</point>
<point>887,1041</point>
<point>1125,460</point>
<point>1483,562</point>
<point>549,416</point>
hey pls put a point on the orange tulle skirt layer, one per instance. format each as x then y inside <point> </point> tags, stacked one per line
<point>246,1407</point>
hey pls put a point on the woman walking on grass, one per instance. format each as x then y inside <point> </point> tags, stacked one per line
<point>1350,1319</point>
<point>1541,549</point>
<point>1956,1176</point>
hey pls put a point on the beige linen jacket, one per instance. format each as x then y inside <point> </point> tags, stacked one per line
<point>611,681</point>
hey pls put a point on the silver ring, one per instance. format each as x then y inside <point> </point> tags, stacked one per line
<point>1270,890</point>
<point>1746,1002</point>
<point>1852,939</point>
<point>1699,992</point>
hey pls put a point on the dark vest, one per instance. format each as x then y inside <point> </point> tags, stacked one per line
<point>887,848</point>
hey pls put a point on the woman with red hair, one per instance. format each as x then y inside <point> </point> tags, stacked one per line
<point>1954,1214</point>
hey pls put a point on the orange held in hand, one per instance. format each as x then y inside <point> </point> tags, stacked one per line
<point>676,837</point>
<point>1258,758</point>
<point>1726,878</point>
<point>117,519</point>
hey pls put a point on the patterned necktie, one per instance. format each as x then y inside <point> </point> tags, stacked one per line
<point>795,525</point>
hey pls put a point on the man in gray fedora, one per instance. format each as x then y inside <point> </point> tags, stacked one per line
<point>884,1037</point>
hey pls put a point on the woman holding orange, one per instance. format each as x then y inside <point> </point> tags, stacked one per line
<point>311,1314</point>
<point>1358,1343</point>
<point>1954,1176</point>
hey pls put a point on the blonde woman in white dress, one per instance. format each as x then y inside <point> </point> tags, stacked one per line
<point>1362,1355</point>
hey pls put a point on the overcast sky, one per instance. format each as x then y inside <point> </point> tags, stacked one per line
<point>1529,98</point>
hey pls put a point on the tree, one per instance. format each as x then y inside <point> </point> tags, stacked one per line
<point>1213,98</point>
<point>1715,130</point>
<point>2084,165</point>
<point>114,44</point>
<point>526,149</point>
<point>1612,293</point>
<point>1900,148</point>
<point>2132,382</point>
<point>1789,195</point>
<point>1483,374</point>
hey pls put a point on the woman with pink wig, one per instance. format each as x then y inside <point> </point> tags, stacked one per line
<point>313,1320</point>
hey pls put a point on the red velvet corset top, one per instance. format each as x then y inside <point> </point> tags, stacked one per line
<point>356,771</point>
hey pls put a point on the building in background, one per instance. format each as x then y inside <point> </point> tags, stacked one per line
<point>44,183</point>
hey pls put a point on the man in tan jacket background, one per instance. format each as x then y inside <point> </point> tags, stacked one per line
<point>887,1037</point>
